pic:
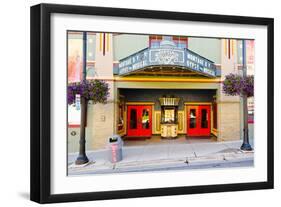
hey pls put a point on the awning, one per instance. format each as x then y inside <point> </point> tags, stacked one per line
<point>167,60</point>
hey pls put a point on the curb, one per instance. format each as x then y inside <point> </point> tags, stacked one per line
<point>166,164</point>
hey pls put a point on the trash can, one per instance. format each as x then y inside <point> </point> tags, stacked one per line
<point>115,144</point>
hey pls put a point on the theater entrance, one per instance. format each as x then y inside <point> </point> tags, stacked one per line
<point>139,122</point>
<point>198,120</point>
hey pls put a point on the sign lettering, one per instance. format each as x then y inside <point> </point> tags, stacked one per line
<point>183,58</point>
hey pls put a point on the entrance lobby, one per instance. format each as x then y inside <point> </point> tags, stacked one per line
<point>169,113</point>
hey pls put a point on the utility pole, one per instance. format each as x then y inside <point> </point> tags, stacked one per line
<point>246,145</point>
<point>82,157</point>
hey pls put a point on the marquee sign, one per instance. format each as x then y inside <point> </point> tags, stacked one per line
<point>200,64</point>
<point>184,58</point>
<point>166,57</point>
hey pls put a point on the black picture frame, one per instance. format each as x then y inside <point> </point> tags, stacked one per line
<point>40,102</point>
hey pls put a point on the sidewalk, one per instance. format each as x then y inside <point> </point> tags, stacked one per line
<point>175,156</point>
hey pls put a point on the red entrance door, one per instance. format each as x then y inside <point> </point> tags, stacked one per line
<point>198,120</point>
<point>139,122</point>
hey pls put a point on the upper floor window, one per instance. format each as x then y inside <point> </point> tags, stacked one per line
<point>154,41</point>
<point>180,42</point>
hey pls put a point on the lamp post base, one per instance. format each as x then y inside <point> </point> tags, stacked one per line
<point>246,147</point>
<point>81,159</point>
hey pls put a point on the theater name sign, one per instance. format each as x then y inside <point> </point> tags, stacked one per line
<point>175,57</point>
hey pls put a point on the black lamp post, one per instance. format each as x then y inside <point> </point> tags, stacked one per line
<point>82,157</point>
<point>246,145</point>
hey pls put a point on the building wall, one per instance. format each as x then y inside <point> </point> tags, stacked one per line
<point>104,56</point>
<point>128,44</point>
<point>73,139</point>
<point>100,121</point>
<point>103,119</point>
<point>91,47</point>
<point>100,125</point>
<point>206,47</point>
<point>229,107</point>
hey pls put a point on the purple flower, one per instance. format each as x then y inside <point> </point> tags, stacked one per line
<point>95,90</point>
<point>234,85</point>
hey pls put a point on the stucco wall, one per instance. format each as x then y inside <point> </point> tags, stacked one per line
<point>229,107</point>
<point>207,47</point>
<point>127,44</point>
<point>228,121</point>
<point>100,125</point>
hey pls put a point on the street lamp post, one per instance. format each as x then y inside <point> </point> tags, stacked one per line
<point>246,145</point>
<point>82,157</point>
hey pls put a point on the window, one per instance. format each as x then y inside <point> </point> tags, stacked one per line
<point>169,115</point>
<point>181,42</point>
<point>154,41</point>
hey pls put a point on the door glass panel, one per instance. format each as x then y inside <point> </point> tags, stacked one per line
<point>192,118</point>
<point>145,119</point>
<point>204,118</point>
<point>133,119</point>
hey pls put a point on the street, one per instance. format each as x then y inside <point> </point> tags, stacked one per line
<point>162,157</point>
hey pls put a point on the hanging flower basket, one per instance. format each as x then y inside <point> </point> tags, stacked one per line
<point>95,90</point>
<point>236,85</point>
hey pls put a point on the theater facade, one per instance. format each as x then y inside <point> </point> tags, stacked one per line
<point>160,86</point>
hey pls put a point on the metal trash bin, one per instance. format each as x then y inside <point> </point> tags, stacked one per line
<point>115,144</point>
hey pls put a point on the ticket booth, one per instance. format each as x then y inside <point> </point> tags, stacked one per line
<point>169,117</point>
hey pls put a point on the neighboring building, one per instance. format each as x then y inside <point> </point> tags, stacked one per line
<point>159,85</point>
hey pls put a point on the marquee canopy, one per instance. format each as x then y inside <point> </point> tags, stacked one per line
<point>167,60</point>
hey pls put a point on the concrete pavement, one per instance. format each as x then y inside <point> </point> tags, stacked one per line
<point>165,156</point>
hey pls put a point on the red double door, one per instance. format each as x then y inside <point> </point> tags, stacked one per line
<point>139,121</point>
<point>198,120</point>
